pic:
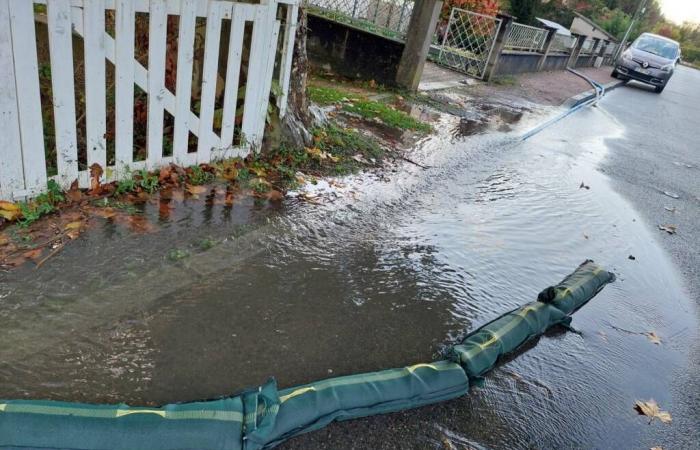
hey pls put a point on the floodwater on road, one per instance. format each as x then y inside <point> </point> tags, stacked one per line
<point>386,271</point>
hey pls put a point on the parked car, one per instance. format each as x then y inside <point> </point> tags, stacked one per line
<point>650,59</point>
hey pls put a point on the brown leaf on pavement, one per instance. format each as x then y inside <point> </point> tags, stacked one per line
<point>74,225</point>
<point>653,337</point>
<point>32,254</point>
<point>105,213</point>
<point>195,190</point>
<point>670,229</point>
<point>651,409</point>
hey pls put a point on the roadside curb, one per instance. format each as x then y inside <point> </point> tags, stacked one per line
<point>589,95</point>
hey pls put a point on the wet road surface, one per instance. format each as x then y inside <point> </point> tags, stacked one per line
<point>391,271</point>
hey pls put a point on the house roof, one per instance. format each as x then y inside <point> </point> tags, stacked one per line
<point>561,29</point>
<point>595,26</point>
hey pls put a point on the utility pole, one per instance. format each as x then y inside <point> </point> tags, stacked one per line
<point>640,10</point>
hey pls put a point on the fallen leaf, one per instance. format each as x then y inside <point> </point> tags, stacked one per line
<point>95,177</point>
<point>73,225</point>
<point>4,240</point>
<point>32,254</point>
<point>275,196</point>
<point>670,209</point>
<point>15,262</point>
<point>653,337</point>
<point>583,186</point>
<point>651,409</point>
<point>230,173</point>
<point>672,194</point>
<point>105,213</point>
<point>631,257</point>
<point>8,206</point>
<point>9,215</point>
<point>72,216</point>
<point>195,190</point>
<point>164,174</point>
<point>259,171</point>
<point>73,234</point>
<point>74,193</point>
<point>164,209</point>
<point>670,229</point>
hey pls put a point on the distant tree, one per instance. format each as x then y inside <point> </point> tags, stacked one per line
<point>524,10</point>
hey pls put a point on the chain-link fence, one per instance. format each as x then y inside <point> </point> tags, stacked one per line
<point>525,38</point>
<point>388,18</point>
<point>467,41</point>
<point>562,43</point>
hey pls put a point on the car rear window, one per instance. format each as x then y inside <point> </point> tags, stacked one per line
<point>656,46</point>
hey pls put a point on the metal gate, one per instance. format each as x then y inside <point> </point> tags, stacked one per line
<point>467,41</point>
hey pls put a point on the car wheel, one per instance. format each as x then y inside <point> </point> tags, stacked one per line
<point>614,73</point>
<point>659,89</point>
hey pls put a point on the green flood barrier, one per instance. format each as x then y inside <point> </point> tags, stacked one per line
<point>266,416</point>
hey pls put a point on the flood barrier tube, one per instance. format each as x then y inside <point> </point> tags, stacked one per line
<point>481,349</point>
<point>263,417</point>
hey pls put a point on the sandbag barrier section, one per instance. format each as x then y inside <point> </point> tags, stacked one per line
<point>264,417</point>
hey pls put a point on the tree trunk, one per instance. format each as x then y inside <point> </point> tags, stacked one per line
<point>292,129</point>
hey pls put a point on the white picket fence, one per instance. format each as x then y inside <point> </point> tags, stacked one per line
<point>23,170</point>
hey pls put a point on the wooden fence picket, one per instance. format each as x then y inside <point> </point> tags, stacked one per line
<point>235,52</point>
<point>11,167</point>
<point>212,38</point>
<point>63,88</point>
<point>28,95</point>
<point>183,87</point>
<point>157,35</point>
<point>95,83</point>
<point>125,24</point>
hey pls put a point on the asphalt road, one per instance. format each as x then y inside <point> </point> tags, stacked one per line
<point>660,152</point>
<point>635,149</point>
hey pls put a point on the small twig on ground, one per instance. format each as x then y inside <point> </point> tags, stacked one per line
<point>624,330</point>
<point>53,253</point>
<point>408,159</point>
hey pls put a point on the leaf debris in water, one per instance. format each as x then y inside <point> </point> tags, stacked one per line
<point>651,409</point>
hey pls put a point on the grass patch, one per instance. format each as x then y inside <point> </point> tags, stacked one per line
<point>42,205</point>
<point>390,116</point>
<point>327,96</point>
<point>505,80</point>
<point>369,109</point>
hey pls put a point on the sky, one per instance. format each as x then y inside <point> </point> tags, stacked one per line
<point>681,10</point>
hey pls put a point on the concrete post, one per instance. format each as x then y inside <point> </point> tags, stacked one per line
<point>601,51</point>
<point>503,32</point>
<point>418,37</point>
<point>552,32</point>
<point>573,58</point>
<point>596,41</point>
